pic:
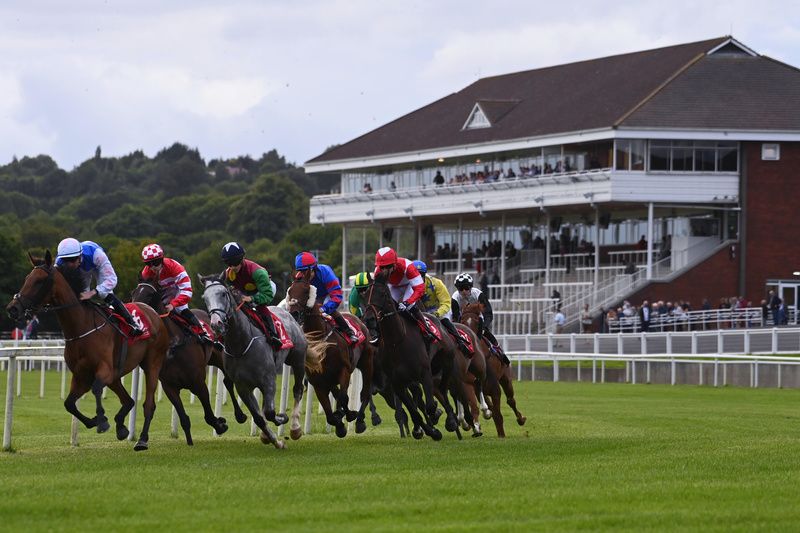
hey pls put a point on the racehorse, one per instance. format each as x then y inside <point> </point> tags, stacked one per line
<point>95,349</point>
<point>187,368</point>
<point>403,357</point>
<point>337,359</point>
<point>478,377</point>
<point>470,316</point>
<point>250,360</point>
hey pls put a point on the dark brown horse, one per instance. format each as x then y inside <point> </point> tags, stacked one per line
<point>337,359</point>
<point>470,316</point>
<point>187,368</point>
<point>403,356</point>
<point>94,347</point>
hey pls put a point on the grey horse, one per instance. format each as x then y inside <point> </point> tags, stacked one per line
<point>251,362</point>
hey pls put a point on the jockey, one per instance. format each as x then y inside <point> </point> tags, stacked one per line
<point>436,300</point>
<point>175,283</point>
<point>253,281</point>
<point>362,281</point>
<point>328,290</point>
<point>467,294</point>
<point>404,282</point>
<point>91,261</point>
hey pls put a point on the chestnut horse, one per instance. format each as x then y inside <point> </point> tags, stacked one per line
<point>93,344</point>
<point>470,316</point>
<point>337,359</point>
<point>187,368</point>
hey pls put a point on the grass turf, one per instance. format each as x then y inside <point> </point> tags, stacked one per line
<point>593,457</point>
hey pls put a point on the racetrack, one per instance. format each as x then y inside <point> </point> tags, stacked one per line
<point>593,457</point>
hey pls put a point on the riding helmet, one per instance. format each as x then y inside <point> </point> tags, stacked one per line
<point>152,251</point>
<point>69,247</point>
<point>305,261</point>
<point>421,266</point>
<point>363,279</point>
<point>232,253</point>
<point>463,281</point>
<point>385,257</point>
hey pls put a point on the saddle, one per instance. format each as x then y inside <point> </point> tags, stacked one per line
<point>353,328</point>
<point>254,317</point>
<point>432,329</point>
<point>122,325</point>
<point>194,330</point>
<point>467,340</point>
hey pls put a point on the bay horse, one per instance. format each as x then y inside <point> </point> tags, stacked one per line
<point>250,360</point>
<point>337,359</point>
<point>470,316</point>
<point>187,368</point>
<point>94,349</point>
<point>403,356</point>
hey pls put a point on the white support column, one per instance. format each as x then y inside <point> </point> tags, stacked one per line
<point>596,252</point>
<point>547,250</point>
<point>419,241</point>
<point>363,249</point>
<point>503,250</point>
<point>9,406</point>
<point>460,236</point>
<point>650,240</point>
<point>380,235</point>
<point>344,254</point>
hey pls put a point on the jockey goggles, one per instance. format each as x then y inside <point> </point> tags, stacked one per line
<point>155,262</point>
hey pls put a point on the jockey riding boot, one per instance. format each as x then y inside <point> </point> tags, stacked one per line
<point>451,329</point>
<point>190,317</point>
<point>273,337</point>
<point>344,327</point>
<point>120,308</point>
<point>417,314</point>
<point>495,346</point>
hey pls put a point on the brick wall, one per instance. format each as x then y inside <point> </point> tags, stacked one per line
<point>772,216</point>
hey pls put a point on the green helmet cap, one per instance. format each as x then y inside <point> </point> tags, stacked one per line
<point>363,279</point>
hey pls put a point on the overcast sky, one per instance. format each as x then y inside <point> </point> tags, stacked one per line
<point>242,77</point>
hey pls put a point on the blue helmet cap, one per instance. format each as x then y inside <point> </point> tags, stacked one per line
<point>421,266</point>
<point>305,261</point>
<point>232,252</point>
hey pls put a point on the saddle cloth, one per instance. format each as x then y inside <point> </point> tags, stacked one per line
<point>205,327</point>
<point>353,328</point>
<point>437,335</point>
<point>467,340</point>
<point>252,314</point>
<point>138,317</point>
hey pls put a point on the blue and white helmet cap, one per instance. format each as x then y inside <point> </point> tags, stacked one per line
<point>68,248</point>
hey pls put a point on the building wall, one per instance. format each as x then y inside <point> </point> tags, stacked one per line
<point>716,277</point>
<point>772,216</point>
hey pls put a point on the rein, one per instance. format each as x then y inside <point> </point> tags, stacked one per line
<point>224,316</point>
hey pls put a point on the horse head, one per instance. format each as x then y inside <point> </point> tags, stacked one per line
<point>37,289</point>
<point>378,302</point>
<point>471,315</point>
<point>301,297</point>
<point>148,292</point>
<point>219,302</point>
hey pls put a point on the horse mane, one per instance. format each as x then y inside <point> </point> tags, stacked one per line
<point>73,278</point>
<point>316,352</point>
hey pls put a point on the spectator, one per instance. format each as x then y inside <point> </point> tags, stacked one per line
<point>642,244</point>
<point>32,329</point>
<point>644,316</point>
<point>558,321</point>
<point>438,179</point>
<point>392,186</point>
<point>557,297</point>
<point>775,304</point>
<point>587,324</point>
<point>367,188</point>
<point>764,313</point>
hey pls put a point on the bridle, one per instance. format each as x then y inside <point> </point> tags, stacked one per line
<point>33,305</point>
<point>379,314</point>
<point>225,315</point>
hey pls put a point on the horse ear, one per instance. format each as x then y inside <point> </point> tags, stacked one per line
<point>33,261</point>
<point>48,258</point>
<point>201,278</point>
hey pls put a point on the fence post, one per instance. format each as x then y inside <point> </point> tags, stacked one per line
<point>716,372</point>
<point>9,413</point>
<point>555,369</point>
<point>309,408</point>
<point>720,343</point>
<point>669,343</point>
<point>41,380</point>
<point>694,342</point>
<point>73,433</point>
<point>672,371</point>
<point>63,379</point>
<point>602,371</point>
<point>218,399</point>
<point>285,395</point>
<point>724,374</point>
<point>643,341</point>
<point>755,374</point>
<point>648,371</point>
<point>747,342</point>
<point>135,394</point>
<point>774,340</point>
<point>633,370</point>
<point>19,378</point>
<point>173,430</point>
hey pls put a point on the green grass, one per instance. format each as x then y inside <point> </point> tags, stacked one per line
<point>592,457</point>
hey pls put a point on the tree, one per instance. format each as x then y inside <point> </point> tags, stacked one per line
<point>14,266</point>
<point>273,207</point>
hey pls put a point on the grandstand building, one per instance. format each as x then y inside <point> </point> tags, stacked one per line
<point>658,174</point>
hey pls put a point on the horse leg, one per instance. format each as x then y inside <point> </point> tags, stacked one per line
<point>430,406</point>
<point>331,417</point>
<point>78,388</point>
<point>375,417</point>
<point>149,406</point>
<point>342,398</point>
<point>174,397</point>
<point>267,436</point>
<point>238,414</point>
<point>297,392</point>
<point>472,405</point>
<point>127,404</point>
<point>268,389</point>
<point>405,397</point>
<point>102,421</point>
<point>492,390</point>
<point>366,392</point>
<point>508,388</point>
<point>200,390</point>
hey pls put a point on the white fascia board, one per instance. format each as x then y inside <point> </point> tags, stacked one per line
<point>709,135</point>
<point>459,151</point>
<point>735,43</point>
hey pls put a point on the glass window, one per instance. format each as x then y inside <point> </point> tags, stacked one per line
<point>704,159</point>
<point>659,157</point>
<point>682,156</point>
<point>727,157</point>
<point>623,154</point>
<point>637,154</point>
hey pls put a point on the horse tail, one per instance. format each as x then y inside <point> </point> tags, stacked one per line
<point>315,354</point>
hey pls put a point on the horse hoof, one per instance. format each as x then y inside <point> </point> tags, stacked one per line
<point>451,424</point>
<point>477,433</point>
<point>351,415</point>
<point>341,431</point>
<point>122,433</point>
<point>465,426</point>
<point>361,426</point>
<point>436,416</point>
<point>417,433</point>
<point>189,441</point>
<point>265,438</point>
<point>487,414</point>
<point>222,420</point>
<point>521,420</point>
<point>436,434</point>
<point>221,427</point>
<point>140,446</point>
<point>241,418</point>
<point>103,425</point>
<point>280,419</point>
<point>280,445</point>
<point>376,420</point>
<point>295,434</point>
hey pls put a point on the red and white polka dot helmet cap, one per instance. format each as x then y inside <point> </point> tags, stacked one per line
<point>152,251</point>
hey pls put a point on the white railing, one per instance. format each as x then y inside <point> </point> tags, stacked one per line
<point>745,317</point>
